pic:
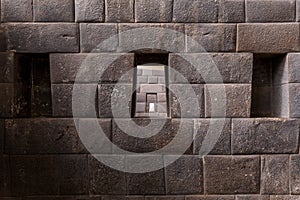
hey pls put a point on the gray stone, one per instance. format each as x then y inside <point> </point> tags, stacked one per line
<point>153,11</point>
<point>41,37</point>
<point>211,37</point>
<point>264,136</point>
<point>231,175</point>
<point>88,67</point>
<point>295,174</point>
<point>268,37</point>
<point>210,197</point>
<point>185,175</point>
<point>89,10</point>
<point>53,10</point>
<point>233,67</point>
<point>131,197</point>
<point>195,11</point>
<point>284,197</point>
<point>270,11</point>
<point>119,10</point>
<point>223,143</point>
<point>93,37</point>
<point>14,11</point>
<point>183,105</point>
<point>105,180</point>
<point>237,102</point>
<point>253,197</point>
<point>275,174</point>
<point>297,10</point>
<point>167,197</point>
<point>231,11</point>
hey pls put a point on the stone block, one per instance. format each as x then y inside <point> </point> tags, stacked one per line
<point>195,11</point>
<point>275,174</point>
<point>270,11</point>
<point>105,180</point>
<point>152,88</point>
<point>237,100</point>
<point>119,10</point>
<point>284,197</point>
<point>253,197</point>
<point>53,10</point>
<point>7,67</point>
<point>231,175</point>
<point>118,197</point>
<point>185,175</point>
<point>211,37</point>
<point>183,105</point>
<point>87,67</point>
<point>210,197</point>
<point>5,177</point>
<point>222,143</point>
<point>229,66</point>
<point>231,11</point>
<point>94,37</point>
<point>89,10</point>
<point>295,174</point>
<point>49,175</point>
<point>167,197</point>
<point>16,11</point>
<point>117,98</point>
<point>264,136</point>
<point>2,129</point>
<point>153,11</point>
<point>297,10</point>
<point>62,97</point>
<point>268,37</point>
<point>42,37</point>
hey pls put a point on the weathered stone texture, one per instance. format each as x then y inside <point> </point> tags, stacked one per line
<point>2,129</point>
<point>295,174</point>
<point>275,174</point>
<point>119,10</point>
<point>264,136</point>
<point>297,10</point>
<point>210,197</point>
<point>231,11</point>
<point>89,10</point>
<point>16,11</point>
<point>288,70</point>
<point>284,197</point>
<point>195,11</point>
<point>252,197</point>
<point>53,10</point>
<point>270,11</point>
<point>268,37</point>
<point>153,11</point>
<point>5,178</point>
<point>231,175</point>
<point>167,197</point>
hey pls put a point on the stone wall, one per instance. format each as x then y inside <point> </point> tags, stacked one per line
<point>253,44</point>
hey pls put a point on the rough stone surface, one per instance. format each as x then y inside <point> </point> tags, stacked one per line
<point>231,11</point>
<point>119,10</point>
<point>223,143</point>
<point>231,175</point>
<point>211,37</point>
<point>184,176</point>
<point>210,197</point>
<point>183,105</point>
<point>16,11</point>
<point>270,11</point>
<point>53,10</point>
<point>253,197</point>
<point>264,136</point>
<point>41,37</point>
<point>93,37</point>
<point>89,10</point>
<point>288,70</point>
<point>5,179</point>
<point>131,197</point>
<point>284,197</point>
<point>275,174</point>
<point>2,129</point>
<point>297,10</point>
<point>195,11</point>
<point>238,100</point>
<point>295,174</point>
<point>177,197</point>
<point>268,37</point>
<point>7,67</point>
<point>153,11</point>
<point>233,67</point>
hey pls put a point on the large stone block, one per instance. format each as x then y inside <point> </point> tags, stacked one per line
<point>232,67</point>
<point>49,175</point>
<point>195,11</point>
<point>270,11</point>
<point>211,37</point>
<point>89,10</point>
<point>88,67</point>
<point>252,197</point>
<point>41,37</point>
<point>185,175</point>
<point>268,37</point>
<point>185,105</point>
<point>167,197</point>
<point>284,197</point>
<point>153,11</point>
<point>231,11</point>
<point>210,197</point>
<point>7,67</point>
<point>5,177</point>
<point>105,180</point>
<point>231,175</point>
<point>53,10</point>
<point>264,136</point>
<point>93,37</point>
<point>222,143</point>
<point>275,174</point>
<point>297,10</point>
<point>237,102</point>
<point>14,11</point>
<point>125,197</point>
<point>119,10</point>
<point>295,174</point>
